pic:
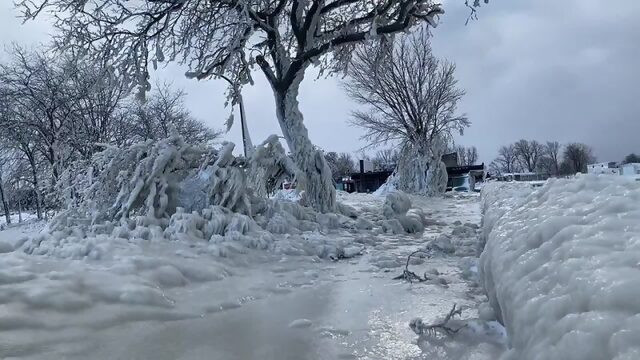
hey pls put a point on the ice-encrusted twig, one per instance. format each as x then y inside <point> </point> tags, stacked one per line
<point>409,275</point>
<point>420,328</point>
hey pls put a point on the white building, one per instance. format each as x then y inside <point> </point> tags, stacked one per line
<point>610,168</point>
<point>632,169</point>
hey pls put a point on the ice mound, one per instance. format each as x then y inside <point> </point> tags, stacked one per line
<point>401,217</point>
<point>561,269</point>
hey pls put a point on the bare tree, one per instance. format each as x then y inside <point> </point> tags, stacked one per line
<point>283,37</point>
<point>507,160</point>
<point>631,158</point>
<point>467,156</point>
<point>576,157</point>
<point>39,86</point>
<point>552,155</point>
<point>410,97</point>
<point>163,109</point>
<point>3,195</point>
<point>495,168</point>
<point>98,98</point>
<point>59,109</point>
<point>528,154</point>
<point>341,164</point>
<point>16,137</point>
<point>385,159</point>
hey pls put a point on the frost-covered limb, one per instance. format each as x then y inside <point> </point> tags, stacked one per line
<point>444,326</point>
<point>228,186</point>
<point>409,275</point>
<point>270,167</point>
<point>141,179</point>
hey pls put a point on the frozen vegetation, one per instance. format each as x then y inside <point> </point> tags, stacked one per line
<point>560,267</point>
<point>99,289</point>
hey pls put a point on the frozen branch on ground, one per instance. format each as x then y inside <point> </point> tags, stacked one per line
<point>443,326</point>
<point>409,275</point>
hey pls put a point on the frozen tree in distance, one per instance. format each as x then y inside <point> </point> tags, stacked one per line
<point>506,162</point>
<point>576,157</point>
<point>410,97</point>
<point>165,108</point>
<point>385,159</point>
<point>341,164</point>
<point>631,158</point>
<point>552,157</point>
<point>529,153</point>
<point>282,37</point>
<point>467,156</point>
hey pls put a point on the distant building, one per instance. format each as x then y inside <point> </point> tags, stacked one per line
<point>368,181</point>
<point>631,169</point>
<point>450,160</point>
<point>464,178</point>
<point>523,176</point>
<point>609,168</point>
<point>460,178</point>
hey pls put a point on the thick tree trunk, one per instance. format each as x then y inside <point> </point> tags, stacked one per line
<point>19,210</point>
<point>317,182</point>
<point>421,170</point>
<point>36,187</point>
<point>5,204</point>
<point>436,177</point>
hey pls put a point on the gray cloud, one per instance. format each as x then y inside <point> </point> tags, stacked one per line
<point>548,70</point>
<point>544,69</point>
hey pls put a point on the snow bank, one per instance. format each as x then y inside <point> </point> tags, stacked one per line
<point>561,267</point>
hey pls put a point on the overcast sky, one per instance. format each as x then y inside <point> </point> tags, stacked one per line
<point>564,70</point>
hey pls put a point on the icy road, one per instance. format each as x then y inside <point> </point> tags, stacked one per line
<point>169,300</point>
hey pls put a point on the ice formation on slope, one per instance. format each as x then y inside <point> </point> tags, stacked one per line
<point>561,267</point>
<point>280,226</point>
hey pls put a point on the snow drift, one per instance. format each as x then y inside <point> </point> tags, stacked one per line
<point>561,267</point>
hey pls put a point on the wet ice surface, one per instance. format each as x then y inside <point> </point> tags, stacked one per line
<point>168,300</point>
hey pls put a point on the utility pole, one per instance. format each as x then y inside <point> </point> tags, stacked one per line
<point>247,145</point>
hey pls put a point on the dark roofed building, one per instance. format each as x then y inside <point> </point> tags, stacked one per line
<point>367,180</point>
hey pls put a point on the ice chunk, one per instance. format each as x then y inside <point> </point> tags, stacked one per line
<point>396,203</point>
<point>443,243</point>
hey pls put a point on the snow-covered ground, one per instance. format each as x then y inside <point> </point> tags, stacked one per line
<point>159,299</point>
<point>562,267</point>
<point>15,218</point>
